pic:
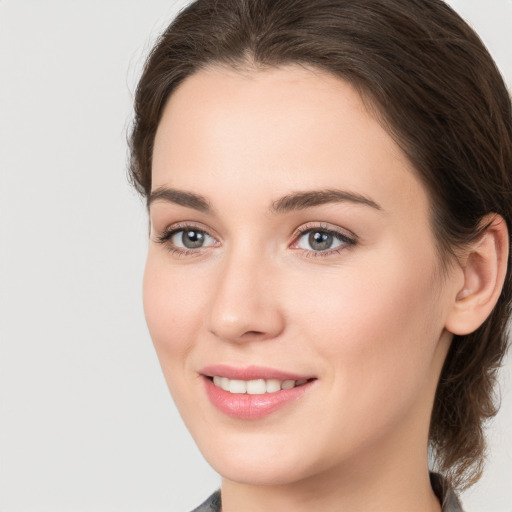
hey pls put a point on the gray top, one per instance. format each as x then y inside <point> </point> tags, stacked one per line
<point>212,504</point>
<point>443,491</point>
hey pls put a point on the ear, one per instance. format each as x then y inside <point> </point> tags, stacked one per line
<point>484,266</point>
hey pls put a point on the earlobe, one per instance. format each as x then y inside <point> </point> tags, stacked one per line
<point>484,268</point>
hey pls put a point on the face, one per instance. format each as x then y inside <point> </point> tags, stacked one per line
<point>292,287</point>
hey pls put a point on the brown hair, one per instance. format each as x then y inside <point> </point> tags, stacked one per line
<point>437,92</point>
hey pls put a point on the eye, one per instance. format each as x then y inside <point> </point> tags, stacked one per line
<point>186,239</point>
<point>322,240</point>
<point>191,238</point>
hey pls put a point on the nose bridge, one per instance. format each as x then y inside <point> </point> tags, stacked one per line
<point>243,305</point>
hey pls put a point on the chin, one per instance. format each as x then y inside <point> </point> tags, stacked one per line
<point>256,472</point>
<point>261,460</point>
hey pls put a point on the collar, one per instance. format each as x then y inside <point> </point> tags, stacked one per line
<point>440,486</point>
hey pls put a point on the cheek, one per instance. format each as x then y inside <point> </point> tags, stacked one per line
<point>173,299</point>
<point>172,306</point>
<point>379,329</point>
<point>364,308</point>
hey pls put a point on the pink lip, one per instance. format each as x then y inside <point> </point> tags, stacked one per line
<point>251,407</point>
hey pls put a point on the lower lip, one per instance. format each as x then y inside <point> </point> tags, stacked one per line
<point>251,407</point>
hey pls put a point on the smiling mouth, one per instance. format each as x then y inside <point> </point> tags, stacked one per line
<point>253,392</point>
<point>256,386</point>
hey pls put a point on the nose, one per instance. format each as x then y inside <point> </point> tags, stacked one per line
<point>244,303</point>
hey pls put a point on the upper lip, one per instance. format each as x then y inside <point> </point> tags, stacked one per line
<point>250,373</point>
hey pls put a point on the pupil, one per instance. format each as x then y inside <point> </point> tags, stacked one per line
<point>192,239</point>
<point>320,241</point>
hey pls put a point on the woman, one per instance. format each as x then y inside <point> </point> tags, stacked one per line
<point>328,276</point>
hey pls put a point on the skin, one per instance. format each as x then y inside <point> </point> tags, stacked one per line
<point>368,320</point>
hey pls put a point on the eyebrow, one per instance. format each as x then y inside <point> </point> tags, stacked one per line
<point>179,197</point>
<point>310,198</point>
<point>287,203</point>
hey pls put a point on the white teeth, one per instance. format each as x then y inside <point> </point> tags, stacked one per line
<point>273,385</point>
<point>221,382</point>
<point>224,383</point>
<point>288,384</point>
<point>238,386</point>
<point>255,387</point>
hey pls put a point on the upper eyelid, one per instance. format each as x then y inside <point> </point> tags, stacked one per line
<point>322,226</point>
<point>182,226</point>
<point>299,231</point>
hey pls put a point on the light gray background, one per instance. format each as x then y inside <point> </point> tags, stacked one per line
<point>86,422</point>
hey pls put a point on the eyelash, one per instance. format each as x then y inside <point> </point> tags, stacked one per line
<point>347,240</point>
<point>166,236</point>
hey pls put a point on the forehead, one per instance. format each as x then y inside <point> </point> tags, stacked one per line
<point>284,104</point>
<point>286,128</point>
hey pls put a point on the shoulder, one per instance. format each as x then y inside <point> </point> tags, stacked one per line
<point>212,504</point>
<point>444,492</point>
